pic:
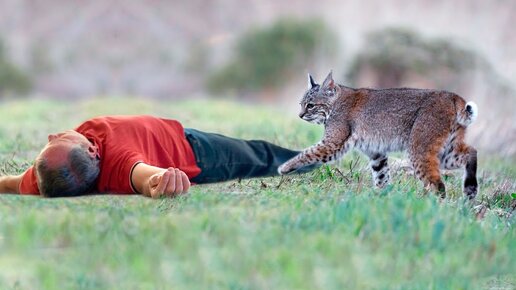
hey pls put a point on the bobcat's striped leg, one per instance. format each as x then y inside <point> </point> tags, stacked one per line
<point>426,143</point>
<point>458,154</point>
<point>470,176</point>
<point>380,169</point>
<point>331,148</point>
<point>321,152</point>
<point>426,169</point>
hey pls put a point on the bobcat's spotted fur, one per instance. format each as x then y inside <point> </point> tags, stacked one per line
<point>429,124</point>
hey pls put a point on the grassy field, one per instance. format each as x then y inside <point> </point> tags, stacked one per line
<point>325,230</point>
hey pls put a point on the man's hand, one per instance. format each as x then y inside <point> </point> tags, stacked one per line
<point>155,181</point>
<point>170,182</point>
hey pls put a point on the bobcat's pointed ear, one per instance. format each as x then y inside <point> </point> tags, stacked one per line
<point>329,83</point>
<point>311,82</point>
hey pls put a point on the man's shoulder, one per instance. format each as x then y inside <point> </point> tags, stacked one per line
<point>125,119</point>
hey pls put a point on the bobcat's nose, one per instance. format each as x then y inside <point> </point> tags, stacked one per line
<point>301,115</point>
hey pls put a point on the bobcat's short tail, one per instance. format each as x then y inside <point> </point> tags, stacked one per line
<point>468,114</point>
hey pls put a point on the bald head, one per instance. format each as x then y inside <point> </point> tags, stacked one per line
<point>67,166</point>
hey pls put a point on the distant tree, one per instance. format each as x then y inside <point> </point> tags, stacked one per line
<point>40,63</point>
<point>265,57</point>
<point>391,55</point>
<point>12,79</point>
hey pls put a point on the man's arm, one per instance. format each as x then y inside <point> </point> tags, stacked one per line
<point>10,183</point>
<point>155,181</point>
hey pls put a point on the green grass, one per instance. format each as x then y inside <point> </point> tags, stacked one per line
<point>325,230</point>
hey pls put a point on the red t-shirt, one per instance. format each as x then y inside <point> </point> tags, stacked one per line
<point>123,142</point>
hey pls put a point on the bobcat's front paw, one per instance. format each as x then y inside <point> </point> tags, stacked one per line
<point>285,168</point>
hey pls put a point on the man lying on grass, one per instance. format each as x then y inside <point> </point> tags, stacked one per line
<point>141,154</point>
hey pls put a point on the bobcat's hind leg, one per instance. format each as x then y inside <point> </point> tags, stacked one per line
<point>380,169</point>
<point>458,154</point>
<point>429,134</point>
<point>470,176</point>
<point>426,168</point>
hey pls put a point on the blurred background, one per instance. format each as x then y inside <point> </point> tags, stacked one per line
<point>259,51</point>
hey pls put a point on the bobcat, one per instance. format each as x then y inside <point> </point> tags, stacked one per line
<point>429,124</point>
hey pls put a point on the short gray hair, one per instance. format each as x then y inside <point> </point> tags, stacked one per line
<point>76,178</point>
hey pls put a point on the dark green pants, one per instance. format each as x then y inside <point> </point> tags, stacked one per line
<point>223,158</point>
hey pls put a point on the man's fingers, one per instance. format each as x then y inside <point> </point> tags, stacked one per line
<point>171,183</point>
<point>154,180</point>
<point>186,182</point>
<point>162,185</point>
<point>179,182</point>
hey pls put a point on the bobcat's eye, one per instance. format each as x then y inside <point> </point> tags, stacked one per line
<point>309,106</point>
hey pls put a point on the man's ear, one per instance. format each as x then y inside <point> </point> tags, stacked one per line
<point>329,83</point>
<point>93,151</point>
<point>51,137</point>
<point>311,82</point>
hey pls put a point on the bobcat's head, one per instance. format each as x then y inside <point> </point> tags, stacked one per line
<point>317,101</point>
